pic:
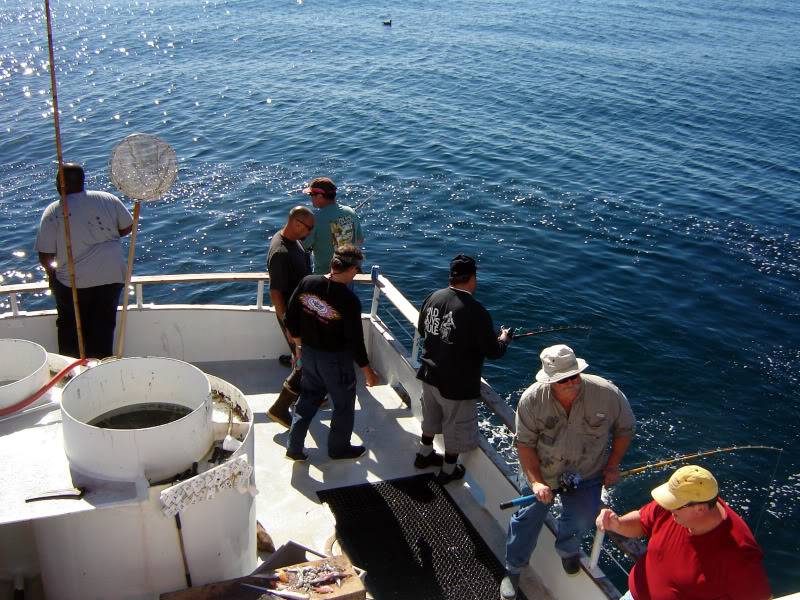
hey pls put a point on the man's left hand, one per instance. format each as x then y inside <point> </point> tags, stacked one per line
<point>610,475</point>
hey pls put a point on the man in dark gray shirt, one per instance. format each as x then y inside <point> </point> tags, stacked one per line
<point>288,263</point>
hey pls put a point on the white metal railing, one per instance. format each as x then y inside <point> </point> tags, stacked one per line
<point>140,281</point>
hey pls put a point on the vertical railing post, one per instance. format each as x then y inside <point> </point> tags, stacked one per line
<point>139,296</point>
<point>14,304</point>
<point>376,292</point>
<point>260,295</point>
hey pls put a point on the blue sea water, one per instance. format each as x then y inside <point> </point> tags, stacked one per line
<point>630,165</point>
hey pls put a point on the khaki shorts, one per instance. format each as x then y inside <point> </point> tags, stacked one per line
<point>456,420</point>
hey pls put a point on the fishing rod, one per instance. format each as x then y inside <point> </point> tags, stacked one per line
<point>670,461</point>
<point>549,330</point>
<point>522,500</point>
<point>365,200</point>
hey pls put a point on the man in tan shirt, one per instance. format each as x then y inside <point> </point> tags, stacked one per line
<point>564,424</point>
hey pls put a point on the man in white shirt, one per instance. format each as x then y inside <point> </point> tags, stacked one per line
<point>97,222</point>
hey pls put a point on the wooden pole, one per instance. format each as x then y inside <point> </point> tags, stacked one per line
<point>62,187</point>
<point>124,316</point>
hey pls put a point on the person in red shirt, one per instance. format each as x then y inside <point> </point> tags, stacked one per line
<point>698,547</point>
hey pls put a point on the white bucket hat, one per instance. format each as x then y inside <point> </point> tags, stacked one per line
<point>559,362</point>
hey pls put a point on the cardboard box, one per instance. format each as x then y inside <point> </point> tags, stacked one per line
<point>352,587</point>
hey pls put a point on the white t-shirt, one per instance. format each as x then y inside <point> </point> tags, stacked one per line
<point>95,219</point>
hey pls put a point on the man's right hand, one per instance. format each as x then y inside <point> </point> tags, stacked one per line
<point>607,520</point>
<point>371,377</point>
<point>542,492</point>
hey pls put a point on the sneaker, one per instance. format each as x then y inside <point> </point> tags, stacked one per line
<point>297,456</point>
<point>422,461</point>
<point>444,478</point>
<point>571,564</point>
<point>351,452</point>
<point>285,360</point>
<point>509,586</point>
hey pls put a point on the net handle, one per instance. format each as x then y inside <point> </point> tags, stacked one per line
<point>128,275</point>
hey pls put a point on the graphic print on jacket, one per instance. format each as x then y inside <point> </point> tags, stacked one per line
<point>440,327</point>
<point>315,305</point>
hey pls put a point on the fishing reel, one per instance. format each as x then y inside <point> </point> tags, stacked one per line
<point>568,481</point>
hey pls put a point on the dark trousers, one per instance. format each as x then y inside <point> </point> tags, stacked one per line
<point>331,373</point>
<point>98,306</point>
<point>293,380</point>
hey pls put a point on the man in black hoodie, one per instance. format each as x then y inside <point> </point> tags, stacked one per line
<point>459,334</point>
<point>324,320</point>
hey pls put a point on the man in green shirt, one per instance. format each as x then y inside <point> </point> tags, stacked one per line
<point>335,224</point>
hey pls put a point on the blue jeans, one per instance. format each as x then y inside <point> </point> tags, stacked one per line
<point>329,373</point>
<point>579,510</point>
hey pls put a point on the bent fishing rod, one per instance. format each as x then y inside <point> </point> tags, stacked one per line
<point>544,330</point>
<point>522,500</point>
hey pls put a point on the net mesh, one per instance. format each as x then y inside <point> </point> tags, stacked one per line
<point>143,166</point>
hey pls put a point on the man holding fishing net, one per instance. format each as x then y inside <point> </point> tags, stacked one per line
<point>564,423</point>
<point>697,549</point>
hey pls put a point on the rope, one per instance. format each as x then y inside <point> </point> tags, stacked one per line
<point>62,187</point>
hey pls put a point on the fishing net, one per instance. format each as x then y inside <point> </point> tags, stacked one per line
<point>143,166</point>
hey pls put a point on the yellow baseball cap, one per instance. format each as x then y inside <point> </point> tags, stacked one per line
<point>688,484</point>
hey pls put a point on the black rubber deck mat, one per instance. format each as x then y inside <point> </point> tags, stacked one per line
<point>413,541</point>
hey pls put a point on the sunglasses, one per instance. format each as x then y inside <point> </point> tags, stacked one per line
<point>304,224</point>
<point>569,379</point>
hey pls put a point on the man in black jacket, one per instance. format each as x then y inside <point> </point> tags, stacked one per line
<point>459,334</point>
<point>324,320</point>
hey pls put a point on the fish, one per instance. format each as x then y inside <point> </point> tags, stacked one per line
<point>328,578</point>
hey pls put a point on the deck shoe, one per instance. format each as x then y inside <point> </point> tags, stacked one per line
<point>297,456</point>
<point>279,411</point>
<point>571,564</point>
<point>422,461</point>
<point>351,452</point>
<point>285,360</point>
<point>444,478</point>
<point>509,586</point>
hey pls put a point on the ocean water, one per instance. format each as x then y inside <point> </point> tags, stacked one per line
<point>628,165</point>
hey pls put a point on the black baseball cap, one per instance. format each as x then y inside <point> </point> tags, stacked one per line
<point>463,265</point>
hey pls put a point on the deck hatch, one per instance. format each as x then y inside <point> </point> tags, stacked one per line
<point>413,541</point>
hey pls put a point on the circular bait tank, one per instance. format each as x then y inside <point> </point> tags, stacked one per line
<point>23,370</point>
<point>137,417</point>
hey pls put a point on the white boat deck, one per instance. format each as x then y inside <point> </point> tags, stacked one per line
<point>383,423</point>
